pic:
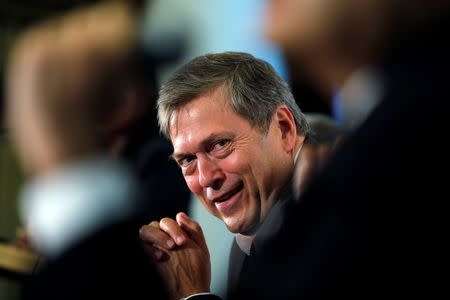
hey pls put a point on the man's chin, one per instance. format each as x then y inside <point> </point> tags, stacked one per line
<point>241,228</point>
<point>233,228</point>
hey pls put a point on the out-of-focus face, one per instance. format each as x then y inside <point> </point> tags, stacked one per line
<point>308,26</point>
<point>235,169</point>
<point>298,23</point>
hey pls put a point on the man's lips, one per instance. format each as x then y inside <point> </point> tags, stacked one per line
<point>224,197</point>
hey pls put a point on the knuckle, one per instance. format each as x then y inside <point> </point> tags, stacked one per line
<point>166,223</point>
<point>142,228</point>
<point>143,231</point>
<point>154,224</point>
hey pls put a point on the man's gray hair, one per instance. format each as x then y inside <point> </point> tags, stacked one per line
<point>254,88</point>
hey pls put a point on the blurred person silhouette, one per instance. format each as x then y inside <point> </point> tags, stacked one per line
<point>237,132</point>
<point>129,127</point>
<point>74,90</point>
<point>368,226</point>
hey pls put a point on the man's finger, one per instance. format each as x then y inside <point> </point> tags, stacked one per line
<point>171,227</point>
<point>153,235</point>
<point>192,228</point>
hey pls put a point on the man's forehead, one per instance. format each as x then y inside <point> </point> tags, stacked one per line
<point>206,109</point>
<point>189,139</point>
<point>182,120</point>
<point>194,127</point>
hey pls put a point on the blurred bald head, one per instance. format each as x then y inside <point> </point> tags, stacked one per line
<point>67,78</point>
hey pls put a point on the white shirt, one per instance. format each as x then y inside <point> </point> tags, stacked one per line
<point>65,206</point>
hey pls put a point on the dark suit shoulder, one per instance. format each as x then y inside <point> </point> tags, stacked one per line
<point>109,264</point>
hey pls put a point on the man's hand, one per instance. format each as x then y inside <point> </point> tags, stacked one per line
<point>180,254</point>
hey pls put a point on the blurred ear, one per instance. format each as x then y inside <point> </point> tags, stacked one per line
<point>286,123</point>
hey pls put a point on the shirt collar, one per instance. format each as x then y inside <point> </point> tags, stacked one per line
<point>356,99</point>
<point>245,242</point>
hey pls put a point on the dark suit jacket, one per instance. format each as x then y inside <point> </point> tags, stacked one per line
<point>109,264</point>
<point>369,226</point>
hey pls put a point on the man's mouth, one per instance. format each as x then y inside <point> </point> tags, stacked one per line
<point>229,194</point>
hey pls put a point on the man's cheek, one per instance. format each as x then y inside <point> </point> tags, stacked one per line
<point>193,184</point>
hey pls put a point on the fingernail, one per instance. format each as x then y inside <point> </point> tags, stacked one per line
<point>170,243</point>
<point>180,240</point>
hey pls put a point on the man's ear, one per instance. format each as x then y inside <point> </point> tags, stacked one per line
<point>286,123</point>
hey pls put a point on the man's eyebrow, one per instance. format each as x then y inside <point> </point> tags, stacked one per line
<point>203,144</point>
<point>176,156</point>
<point>212,138</point>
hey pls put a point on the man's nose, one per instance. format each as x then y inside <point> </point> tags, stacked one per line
<point>210,174</point>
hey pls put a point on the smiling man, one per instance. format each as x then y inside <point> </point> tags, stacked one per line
<point>236,132</point>
<point>234,167</point>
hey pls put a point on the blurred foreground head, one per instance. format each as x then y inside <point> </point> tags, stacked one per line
<point>73,85</point>
<point>329,39</point>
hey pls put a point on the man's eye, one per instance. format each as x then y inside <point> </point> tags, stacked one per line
<point>219,145</point>
<point>184,162</point>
